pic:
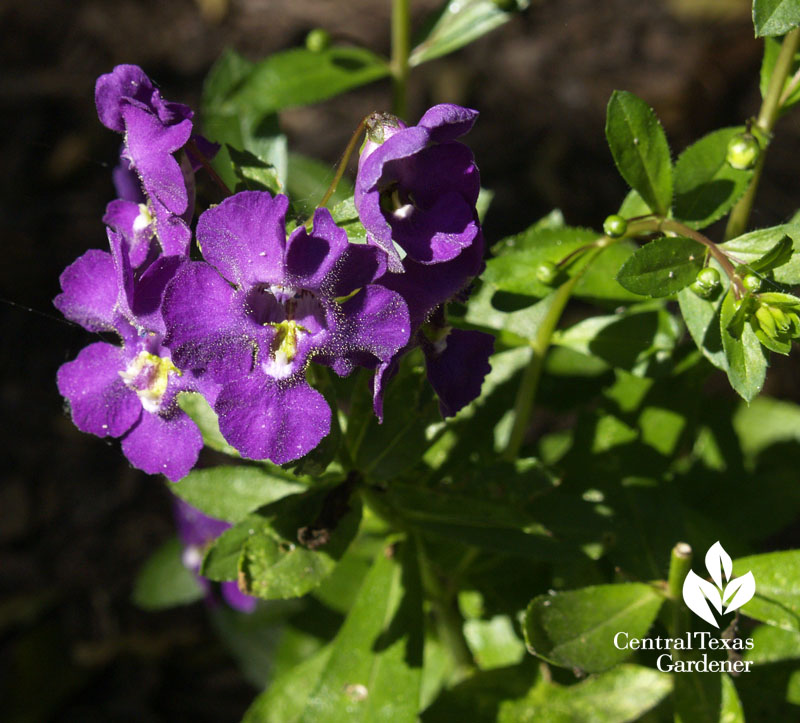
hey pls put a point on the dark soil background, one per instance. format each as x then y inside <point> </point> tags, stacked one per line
<point>76,521</point>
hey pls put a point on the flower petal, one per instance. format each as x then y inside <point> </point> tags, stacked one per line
<point>266,420</point>
<point>167,445</point>
<point>311,257</point>
<point>205,324</point>
<point>150,145</point>
<point>89,291</point>
<point>236,598</point>
<point>194,527</point>
<point>125,81</point>
<point>456,370</point>
<point>99,401</point>
<point>245,237</point>
<point>447,121</point>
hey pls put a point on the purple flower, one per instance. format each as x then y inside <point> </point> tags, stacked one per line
<point>457,360</point>
<point>196,531</point>
<point>154,130</point>
<point>127,391</point>
<point>417,186</point>
<point>263,306</point>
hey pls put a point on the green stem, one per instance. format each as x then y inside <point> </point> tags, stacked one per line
<point>767,115</point>
<point>348,151</point>
<point>401,48</point>
<point>449,622</point>
<point>526,394</point>
<point>679,565</point>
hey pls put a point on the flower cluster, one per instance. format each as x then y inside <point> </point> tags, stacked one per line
<point>242,326</point>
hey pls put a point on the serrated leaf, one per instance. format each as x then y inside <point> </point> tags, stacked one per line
<point>374,671</point>
<point>778,255</point>
<point>164,582</point>
<point>288,547</point>
<point>576,628</point>
<point>777,596</point>
<point>751,247</point>
<point>230,493</point>
<point>775,17</point>
<point>640,150</point>
<point>747,363</point>
<point>706,185</point>
<point>301,77</point>
<point>458,23</point>
<point>662,267</point>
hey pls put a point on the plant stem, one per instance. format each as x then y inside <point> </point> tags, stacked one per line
<point>345,159</point>
<point>449,622</point>
<point>679,565</point>
<point>526,394</point>
<point>767,115</point>
<point>401,47</point>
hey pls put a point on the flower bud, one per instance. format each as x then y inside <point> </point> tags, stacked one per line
<point>766,321</point>
<point>752,283</point>
<point>615,226</point>
<point>743,152</point>
<point>782,321</point>
<point>318,40</point>
<point>546,272</point>
<point>707,283</point>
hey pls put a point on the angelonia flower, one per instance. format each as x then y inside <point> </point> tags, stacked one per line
<point>155,132</point>
<point>253,324</point>
<point>262,306</point>
<point>416,190</point>
<point>128,391</point>
<point>196,531</point>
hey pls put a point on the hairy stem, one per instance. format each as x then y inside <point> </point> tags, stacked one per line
<point>401,48</point>
<point>679,565</point>
<point>767,115</point>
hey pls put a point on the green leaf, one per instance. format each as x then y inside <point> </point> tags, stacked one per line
<point>620,695</point>
<point>308,180</point>
<point>772,48</point>
<point>701,317</point>
<point>662,267</point>
<point>375,668</point>
<point>751,247</point>
<point>628,340</point>
<point>777,598</point>
<point>458,23</point>
<point>224,78</point>
<point>286,698</point>
<point>230,493</point>
<point>300,77</point>
<point>205,418</point>
<point>493,642</point>
<point>706,185</point>
<point>706,698</point>
<point>288,547</point>
<point>252,173</point>
<point>640,150</point>
<point>775,17</point>
<point>778,255</point>
<point>746,360</point>
<point>765,422</point>
<point>772,645</point>
<point>164,582</point>
<point>517,257</point>
<point>576,629</point>
<point>633,205</point>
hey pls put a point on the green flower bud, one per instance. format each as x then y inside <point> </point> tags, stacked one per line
<point>782,321</point>
<point>546,272</point>
<point>704,292</point>
<point>318,40</point>
<point>707,283</point>
<point>743,152</point>
<point>766,321</point>
<point>615,226</point>
<point>752,283</point>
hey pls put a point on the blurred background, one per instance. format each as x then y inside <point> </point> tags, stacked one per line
<point>76,522</point>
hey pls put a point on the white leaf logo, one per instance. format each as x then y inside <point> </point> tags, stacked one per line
<point>698,593</point>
